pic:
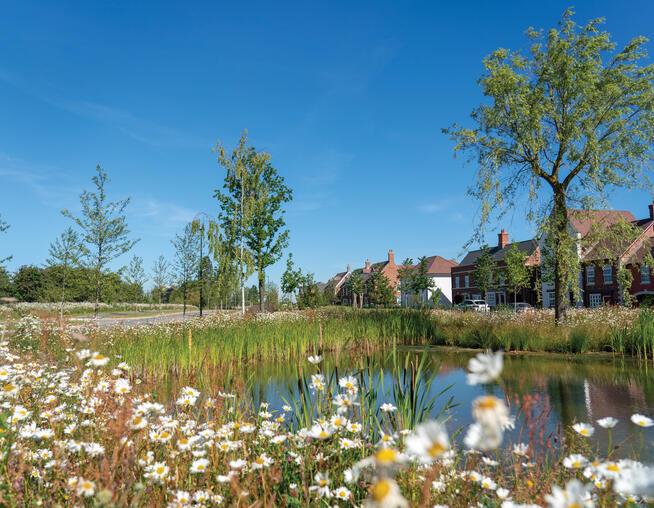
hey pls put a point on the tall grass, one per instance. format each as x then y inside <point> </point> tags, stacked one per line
<point>192,347</point>
<point>184,348</point>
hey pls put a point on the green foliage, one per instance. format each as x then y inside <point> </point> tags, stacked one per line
<point>625,280</point>
<point>309,295</point>
<point>104,229</point>
<point>356,286</point>
<point>136,278</point>
<point>161,276</point>
<point>187,257</point>
<point>237,202</point>
<point>29,284</point>
<point>484,270</point>
<point>576,117</point>
<point>6,288</point>
<point>3,227</point>
<point>291,278</point>
<point>517,273</point>
<point>379,291</point>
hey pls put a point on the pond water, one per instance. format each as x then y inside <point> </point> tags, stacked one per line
<point>547,393</point>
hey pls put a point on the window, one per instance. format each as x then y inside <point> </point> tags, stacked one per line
<point>467,281</point>
<point>590,275</point>
<point>502,279</point>
<point>644,275</point>
<point>595,300</point>
<point>551,298</point>
<point>490,299</point>
<point>607,272</point>
<point>457,281</point>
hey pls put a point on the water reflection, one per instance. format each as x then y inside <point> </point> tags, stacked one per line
<point>547,393</point>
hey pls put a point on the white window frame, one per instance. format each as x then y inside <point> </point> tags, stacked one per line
<point>590,270</point>
<point>645,275</point>
<point>491,299</point>
<point>466,281</point>
<point>607,269</point>
<point>595,300</point>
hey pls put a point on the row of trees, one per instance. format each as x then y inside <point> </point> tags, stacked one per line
<point>248,235</point>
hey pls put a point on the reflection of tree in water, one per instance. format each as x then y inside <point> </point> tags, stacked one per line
<point>568,399</point>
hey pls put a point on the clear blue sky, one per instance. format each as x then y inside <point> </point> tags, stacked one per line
<point>348,97</point>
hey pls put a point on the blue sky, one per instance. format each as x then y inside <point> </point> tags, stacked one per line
<point>348,97</point>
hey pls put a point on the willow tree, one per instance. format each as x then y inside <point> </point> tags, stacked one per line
<point>562,125</point>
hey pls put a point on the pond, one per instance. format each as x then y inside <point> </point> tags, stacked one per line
<point>546,393</point>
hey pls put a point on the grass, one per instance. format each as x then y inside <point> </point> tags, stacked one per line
<point>228,339</point>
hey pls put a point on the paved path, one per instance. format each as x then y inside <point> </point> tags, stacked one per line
<point>109,322</point>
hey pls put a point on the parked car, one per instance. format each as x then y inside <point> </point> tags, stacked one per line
<point>523,307</point>
<point>476,305</point>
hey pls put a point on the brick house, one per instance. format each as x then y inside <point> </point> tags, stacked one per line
<point>341,291</point>
<point>463,283</point>
<point>439,271</point>
<point>600,263</point>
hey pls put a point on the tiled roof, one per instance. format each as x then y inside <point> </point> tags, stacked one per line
<point>437,265</point>
<point>498,253</point>
<point>583,220</point>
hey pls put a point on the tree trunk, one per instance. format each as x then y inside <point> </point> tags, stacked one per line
<point>559,230</point>
<point>262,282</point>
<point>97,296</point>
<point>184,300</point>
<point>63,297</point>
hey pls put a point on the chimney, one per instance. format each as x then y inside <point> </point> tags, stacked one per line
<point>651,211</point>
<point>502,239</point>
<point>391,257</point>
<point>366,268</point>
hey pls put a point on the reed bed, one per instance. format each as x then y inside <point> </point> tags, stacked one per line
<point>229,339</point>
<point>193,346</point>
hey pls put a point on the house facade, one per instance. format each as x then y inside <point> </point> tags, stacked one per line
<point>600,263</point>
<point>439,271</point>
<point>388,268</point>
<point>463,282</point>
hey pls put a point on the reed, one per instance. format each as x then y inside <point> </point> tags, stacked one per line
<point>198,345</point>
<point>162,349</point>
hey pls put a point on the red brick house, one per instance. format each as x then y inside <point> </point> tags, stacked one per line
<point>388,268</point>
<point>463,280</point>
<point>600,263</point>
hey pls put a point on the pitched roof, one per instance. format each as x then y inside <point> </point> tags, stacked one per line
<point>437,265</point>
<point>634,249</point>
<point>498,253</point>
<point>583,220</point>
